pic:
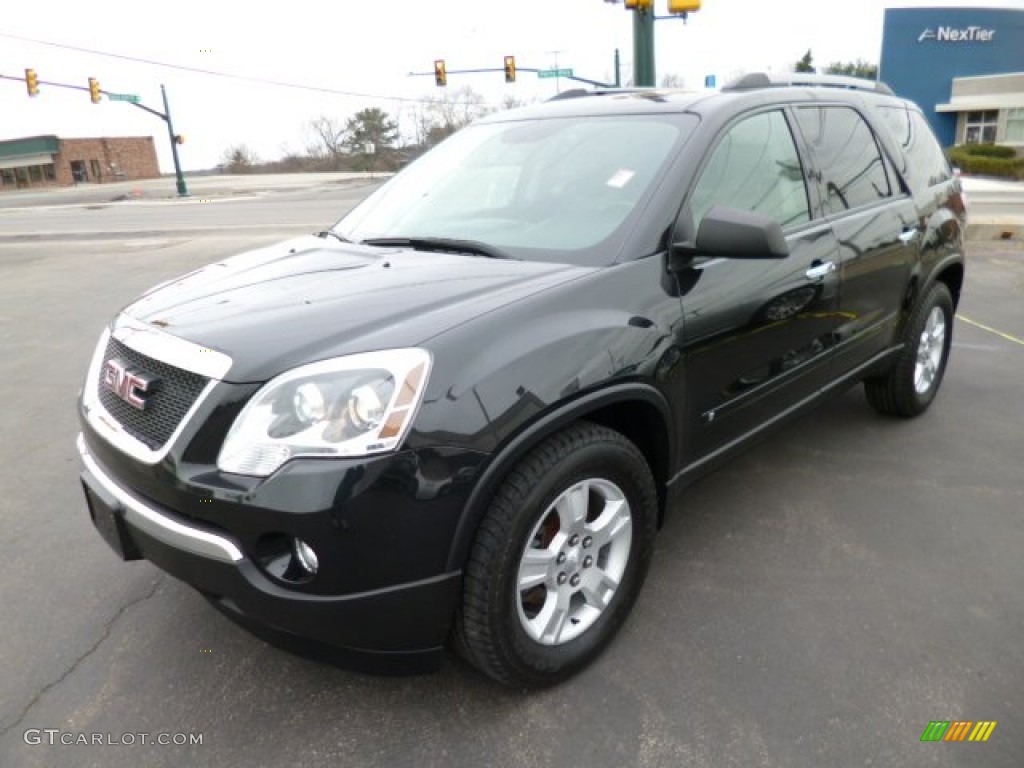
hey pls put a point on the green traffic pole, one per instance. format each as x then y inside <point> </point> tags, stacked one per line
<point>643,48</point>
<point>182,189</point>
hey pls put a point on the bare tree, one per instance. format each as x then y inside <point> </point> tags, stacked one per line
<point>511,102</point>
<point>239,158</point>
<point>438,117</point>
<point>326,138</point>
<point>672,80</point>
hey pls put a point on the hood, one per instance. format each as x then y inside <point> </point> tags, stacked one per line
<point>311,299</point>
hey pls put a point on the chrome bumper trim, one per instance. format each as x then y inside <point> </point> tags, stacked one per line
<point>160,526</point>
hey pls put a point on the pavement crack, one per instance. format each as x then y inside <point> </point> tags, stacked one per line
<point>107,629</point>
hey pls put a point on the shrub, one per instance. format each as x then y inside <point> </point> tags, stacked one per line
<point>988,150</point>
<point>986,162</point>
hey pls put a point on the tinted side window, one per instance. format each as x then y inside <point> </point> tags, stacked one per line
<point>922,160</point>
<point>928,164</point>
<point>846,155</point>
<point>897,121</point>
<point>755,167</point>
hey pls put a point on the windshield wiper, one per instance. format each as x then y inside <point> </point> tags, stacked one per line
<point>443,244</point>
<point>331,233</point>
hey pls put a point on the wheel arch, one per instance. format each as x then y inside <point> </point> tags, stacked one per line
<point>949,271</point>
<point>952,274</point>
<point>636,410</point>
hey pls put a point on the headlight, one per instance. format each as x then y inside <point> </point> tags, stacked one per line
<point>348,406</point>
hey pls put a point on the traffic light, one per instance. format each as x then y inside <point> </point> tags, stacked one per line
<point>94,90</point>
<point>31,82</point>
<point>440,73</point>
<point>639,5</point>
<point>179,138</point>
<point>510,69</point>
<point>683,6</point>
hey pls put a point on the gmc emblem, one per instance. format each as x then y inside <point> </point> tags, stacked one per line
<point>131,386</point>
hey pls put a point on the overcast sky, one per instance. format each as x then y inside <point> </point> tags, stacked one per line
<point>369,48</point>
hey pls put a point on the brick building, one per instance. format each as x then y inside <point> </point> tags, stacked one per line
<point>40,161</point>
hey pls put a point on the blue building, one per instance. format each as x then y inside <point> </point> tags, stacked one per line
<point>963,66</point>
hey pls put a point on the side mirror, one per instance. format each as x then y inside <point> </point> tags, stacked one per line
<point>733,234</point>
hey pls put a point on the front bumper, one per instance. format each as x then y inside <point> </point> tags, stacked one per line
<point>400,627</point>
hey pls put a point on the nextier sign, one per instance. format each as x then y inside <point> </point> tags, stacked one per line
<point>954,35</point>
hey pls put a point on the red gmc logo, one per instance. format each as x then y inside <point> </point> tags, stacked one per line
<point>131,386</point>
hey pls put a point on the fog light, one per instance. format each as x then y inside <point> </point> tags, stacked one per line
<point>305,556</point>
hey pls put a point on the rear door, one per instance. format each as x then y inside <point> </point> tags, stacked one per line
<point>875,221</point>
<point>756,333</point>
<point>937,193</point>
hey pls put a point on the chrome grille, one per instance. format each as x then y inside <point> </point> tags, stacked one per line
<point>165,408</point>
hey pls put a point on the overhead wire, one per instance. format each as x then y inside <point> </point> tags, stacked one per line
<point>216,73</point>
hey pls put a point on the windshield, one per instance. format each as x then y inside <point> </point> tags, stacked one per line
<point>558,189</point>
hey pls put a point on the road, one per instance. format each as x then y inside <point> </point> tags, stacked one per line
<point>293,203</point>
<point>817,602</point>
<point>244,209</point>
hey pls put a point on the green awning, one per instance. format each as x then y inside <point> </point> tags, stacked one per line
<point>33,145</point>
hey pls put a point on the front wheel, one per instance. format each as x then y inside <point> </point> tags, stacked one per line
<point>559,557</point>
<point>909,388</point>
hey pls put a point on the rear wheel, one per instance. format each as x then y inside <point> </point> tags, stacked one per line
<point>559,557</point>
<point>911,385</point>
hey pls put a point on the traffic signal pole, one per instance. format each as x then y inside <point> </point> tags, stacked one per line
<point>182,189</point>
<point>643,48</point>
<point>33,82</point>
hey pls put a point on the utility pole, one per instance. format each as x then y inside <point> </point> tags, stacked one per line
<point>558,78</point>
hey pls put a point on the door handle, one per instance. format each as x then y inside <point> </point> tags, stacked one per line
<point>819,269</point>
<point>908,235</point>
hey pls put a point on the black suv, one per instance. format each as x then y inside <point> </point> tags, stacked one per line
<point>462,412</point>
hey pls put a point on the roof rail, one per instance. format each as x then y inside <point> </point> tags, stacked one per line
<point>763,80</point>
<point>575,93</point>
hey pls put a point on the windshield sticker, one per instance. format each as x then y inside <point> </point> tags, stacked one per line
<point>620,178</point>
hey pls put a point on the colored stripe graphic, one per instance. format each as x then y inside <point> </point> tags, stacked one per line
<point>983,730</point>
<point>958,730</point>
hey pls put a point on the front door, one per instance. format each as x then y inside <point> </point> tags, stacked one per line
<point>757,333</point>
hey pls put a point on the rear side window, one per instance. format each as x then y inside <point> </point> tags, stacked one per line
<point>846,155</point>
<point>927,162</point>
<point>922,160</point>
<point>897,122</point>
<point>755,167</point>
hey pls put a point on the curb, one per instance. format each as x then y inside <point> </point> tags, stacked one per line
<point>78,237</point>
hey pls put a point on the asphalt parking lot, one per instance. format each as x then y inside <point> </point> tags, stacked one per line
<point>817,602</point>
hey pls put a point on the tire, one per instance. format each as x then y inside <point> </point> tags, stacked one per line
<point>574,524</point>
<point>912,383</point>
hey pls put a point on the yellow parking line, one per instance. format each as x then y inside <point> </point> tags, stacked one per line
<point>984,327</point>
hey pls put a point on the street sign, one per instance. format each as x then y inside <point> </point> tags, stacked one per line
<point>132,97</point>
<point>555,73</point>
